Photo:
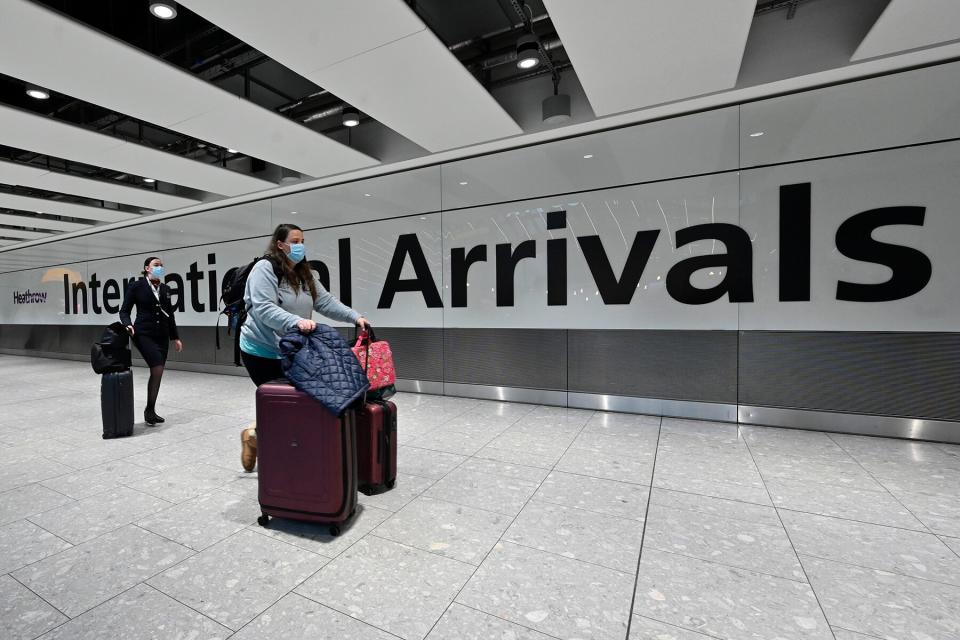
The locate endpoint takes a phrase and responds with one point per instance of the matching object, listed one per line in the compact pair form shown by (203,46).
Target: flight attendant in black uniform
(154,328)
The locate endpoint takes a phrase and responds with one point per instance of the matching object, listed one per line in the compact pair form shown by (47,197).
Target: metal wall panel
(913,375)
(528,358)
(698,366)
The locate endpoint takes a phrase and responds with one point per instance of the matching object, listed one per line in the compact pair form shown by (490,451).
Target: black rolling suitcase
(116,404)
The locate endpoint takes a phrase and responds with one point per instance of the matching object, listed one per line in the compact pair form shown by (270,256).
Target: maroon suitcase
(306,458)
(377,447)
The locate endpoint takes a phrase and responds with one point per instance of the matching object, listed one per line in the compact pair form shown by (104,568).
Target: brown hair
(147,262)
(299,275)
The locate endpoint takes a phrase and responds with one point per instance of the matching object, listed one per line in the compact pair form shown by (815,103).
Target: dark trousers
(261,370)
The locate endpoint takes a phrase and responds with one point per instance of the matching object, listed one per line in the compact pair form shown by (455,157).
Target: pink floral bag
(376,359)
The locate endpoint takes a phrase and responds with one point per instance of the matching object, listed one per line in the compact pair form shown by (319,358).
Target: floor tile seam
(757,523)
(444,500)
(479,457)
(373,534)
(862,633)
(592,511)
(513,622)
(796,552)
(199,613)
(643,531)
(257,529)
(626,573)
(488,473)
(41,527)
(47,602)
(885,488)
(586,475)
(956,551)
(924,531)
(728,565)
(332,608)
(500,538)
(895,572)
(677,626)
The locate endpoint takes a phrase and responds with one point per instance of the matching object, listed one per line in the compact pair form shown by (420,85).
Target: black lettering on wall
(323,272)
(94,285)
(177,300)
(556,261)
(911,268)
(212,282)
(507,260)
(409,245)
(194,276)
(66,294)
(460,262)
(795,242)
(111,293)
(80,287)
(738,263)
(346,271)
(614,290)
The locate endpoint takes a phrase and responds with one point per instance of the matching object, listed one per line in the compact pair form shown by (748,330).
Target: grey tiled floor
(508,521)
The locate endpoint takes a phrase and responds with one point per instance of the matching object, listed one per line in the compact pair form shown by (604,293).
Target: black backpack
(110,354)
(231,300)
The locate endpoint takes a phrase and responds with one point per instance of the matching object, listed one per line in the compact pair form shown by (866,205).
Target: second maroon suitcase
(377,447)
(306,458)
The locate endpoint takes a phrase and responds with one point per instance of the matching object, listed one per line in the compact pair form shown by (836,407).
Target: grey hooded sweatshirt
(274,310)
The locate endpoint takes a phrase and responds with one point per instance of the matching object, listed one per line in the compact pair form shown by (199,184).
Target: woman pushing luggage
(281,293)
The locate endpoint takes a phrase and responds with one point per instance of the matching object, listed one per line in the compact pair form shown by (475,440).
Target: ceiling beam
(911,24)
(60,208)
(40,223)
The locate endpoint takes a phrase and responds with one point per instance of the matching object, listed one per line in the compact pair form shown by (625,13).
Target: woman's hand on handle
(130,329)
(178,345)
(363,323)
(306,326)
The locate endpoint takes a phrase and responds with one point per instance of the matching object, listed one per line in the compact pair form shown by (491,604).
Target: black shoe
(151,418)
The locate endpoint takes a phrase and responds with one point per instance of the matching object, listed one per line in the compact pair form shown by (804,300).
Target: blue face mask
(297,252)
(157,271)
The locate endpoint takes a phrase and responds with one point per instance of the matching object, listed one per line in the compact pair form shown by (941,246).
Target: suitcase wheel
(264,520)
(391,483)
(335,530)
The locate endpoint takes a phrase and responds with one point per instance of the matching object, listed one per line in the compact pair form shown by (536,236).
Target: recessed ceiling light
(231,150)
(756,134)
(367,195)
(149,180)
(164,10)
(528,51)
(587,156)
(37,93)
(463,182)
(293,213)
(350,117)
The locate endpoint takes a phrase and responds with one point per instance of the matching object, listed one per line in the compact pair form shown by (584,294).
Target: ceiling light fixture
(756,134)
(231,150)
(463,182)
(367,195)
(350,117)
(151,180)
(164,10)
(528,51)
(587,156)
(37,93)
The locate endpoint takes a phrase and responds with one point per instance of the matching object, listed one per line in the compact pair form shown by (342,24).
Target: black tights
(153,387)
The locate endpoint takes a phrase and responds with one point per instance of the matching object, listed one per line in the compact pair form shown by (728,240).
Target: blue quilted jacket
(322,365)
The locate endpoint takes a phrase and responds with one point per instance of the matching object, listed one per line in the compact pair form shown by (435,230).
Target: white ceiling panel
(911,24)
(32,132)
(315,33)
(26,175)
(378,56)
(299,144)
(630,54)
(56,207)
(418,88)
(87,64)
(40,223)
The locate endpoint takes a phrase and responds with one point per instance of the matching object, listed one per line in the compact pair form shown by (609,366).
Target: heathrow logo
(29,297)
